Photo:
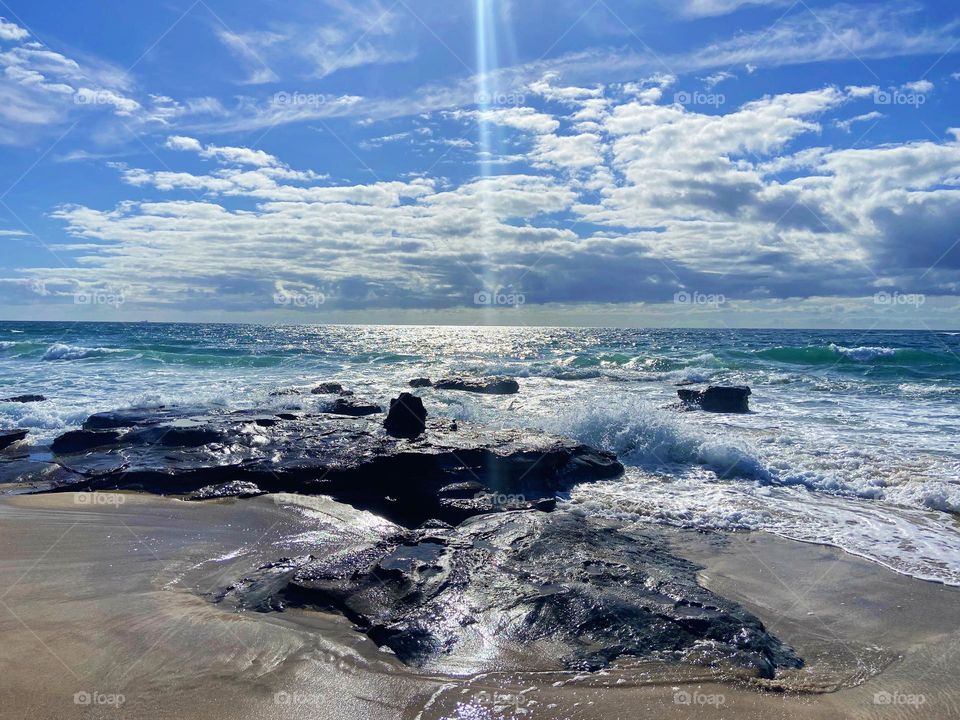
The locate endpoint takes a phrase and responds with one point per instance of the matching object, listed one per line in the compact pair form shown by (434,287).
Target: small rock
(486,385)
(716,398)
(352,408)
(421,382)
(407,417)
(328,388)
(79,440)
(9,437)
(24,399)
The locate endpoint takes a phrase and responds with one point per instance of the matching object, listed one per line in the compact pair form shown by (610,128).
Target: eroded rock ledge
(449,472)
(557,585)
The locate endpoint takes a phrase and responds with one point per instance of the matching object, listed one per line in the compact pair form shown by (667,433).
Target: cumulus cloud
(11,31)
(656,197)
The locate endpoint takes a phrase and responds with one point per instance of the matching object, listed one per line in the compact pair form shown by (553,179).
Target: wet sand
(106,612)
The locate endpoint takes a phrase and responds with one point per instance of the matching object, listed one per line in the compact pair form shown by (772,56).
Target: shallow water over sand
(112,596)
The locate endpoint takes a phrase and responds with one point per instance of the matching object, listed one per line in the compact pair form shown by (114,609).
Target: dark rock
(352,459)
(24,399)
(9,437)
(328,388)
(421,382)
(581,589)
(486,386)
(77,441)
(286,391)
(352,408)
(407,417)
(718,399)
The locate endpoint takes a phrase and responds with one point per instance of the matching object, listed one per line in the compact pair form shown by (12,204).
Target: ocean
(852,440)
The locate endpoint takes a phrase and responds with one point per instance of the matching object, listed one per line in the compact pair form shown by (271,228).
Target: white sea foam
(905,540)
(863,354)
(61,351)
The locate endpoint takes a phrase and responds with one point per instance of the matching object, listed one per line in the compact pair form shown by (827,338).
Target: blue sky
(655,162)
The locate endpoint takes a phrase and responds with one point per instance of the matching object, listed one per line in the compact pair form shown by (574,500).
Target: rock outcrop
(484,385)
(450,472)
(24,399)
(353,408)
(407,417)
(718,398)
(583,590)
(9,437)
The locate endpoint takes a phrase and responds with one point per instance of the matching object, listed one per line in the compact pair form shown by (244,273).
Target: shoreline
(106,598)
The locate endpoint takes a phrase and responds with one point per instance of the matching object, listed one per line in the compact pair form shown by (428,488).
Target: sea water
(852,442)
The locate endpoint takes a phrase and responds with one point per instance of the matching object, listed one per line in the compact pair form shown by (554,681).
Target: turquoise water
(852,442)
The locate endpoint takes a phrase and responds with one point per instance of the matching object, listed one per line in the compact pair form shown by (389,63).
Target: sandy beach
(108,599)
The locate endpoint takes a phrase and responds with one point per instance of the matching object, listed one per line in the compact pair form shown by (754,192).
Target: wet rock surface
(583,591)
(407,417)
(478,558)
(354,408)
(482,385)
(24,399)
(716,398)
(9,437)
(352,459)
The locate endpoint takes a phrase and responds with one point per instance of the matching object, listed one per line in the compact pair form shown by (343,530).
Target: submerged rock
(352,459)
(407,417)
(421,382)
(716,398)
(581,590)
(486,385)
(9,437)
(24,399)
(328,388)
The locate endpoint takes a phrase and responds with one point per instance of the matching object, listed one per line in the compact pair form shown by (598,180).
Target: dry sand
(106,612)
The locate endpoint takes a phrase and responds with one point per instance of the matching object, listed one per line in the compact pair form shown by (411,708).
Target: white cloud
(713,8)
(846,125)
(919,86)
(295,50)
(711,81)
(11,31)
(519,118)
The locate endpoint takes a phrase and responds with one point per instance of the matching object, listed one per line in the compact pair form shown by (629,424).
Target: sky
(683,163)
